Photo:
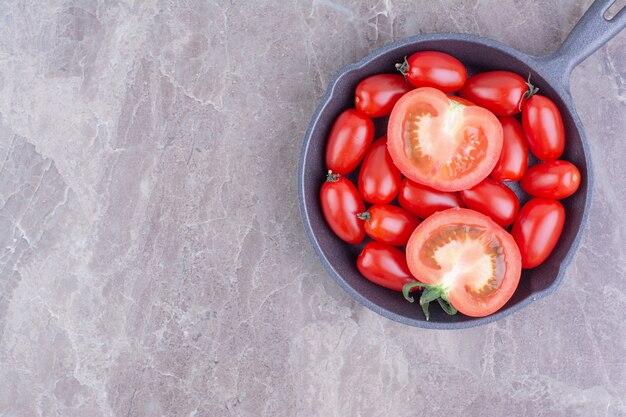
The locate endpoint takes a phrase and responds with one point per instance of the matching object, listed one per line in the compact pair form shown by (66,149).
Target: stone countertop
(153,262)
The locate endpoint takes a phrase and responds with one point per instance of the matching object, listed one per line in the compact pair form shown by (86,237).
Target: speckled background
(152,259)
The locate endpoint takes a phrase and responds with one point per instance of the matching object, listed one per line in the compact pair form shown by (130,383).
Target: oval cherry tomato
(384,265)
(375,96)
(424,201)
(389,224)
(379,179)
(493,199)
(553,179)
(461,100)
(514,157)
(436,142)
(349,139)
(537,230)
(498,91)
(543,125)
(341,203)
(466,259)
(434,69)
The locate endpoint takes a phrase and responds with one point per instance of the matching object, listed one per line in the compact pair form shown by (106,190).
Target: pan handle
(590,33)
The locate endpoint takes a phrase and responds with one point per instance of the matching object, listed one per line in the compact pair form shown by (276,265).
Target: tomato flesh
(461,100)
(440,143)
(468,257)
(384,265)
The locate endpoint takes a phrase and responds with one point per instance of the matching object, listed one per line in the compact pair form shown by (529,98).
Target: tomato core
(467,253)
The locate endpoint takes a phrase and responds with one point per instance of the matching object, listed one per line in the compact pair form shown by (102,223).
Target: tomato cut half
(466,260)
(461,100)
(440,143)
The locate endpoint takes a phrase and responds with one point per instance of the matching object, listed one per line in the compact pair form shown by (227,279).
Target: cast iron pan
(550,73)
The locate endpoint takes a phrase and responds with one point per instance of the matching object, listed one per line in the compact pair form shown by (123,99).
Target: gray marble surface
(152,259)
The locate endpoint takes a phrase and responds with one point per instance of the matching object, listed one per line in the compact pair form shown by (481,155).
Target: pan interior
(341,257)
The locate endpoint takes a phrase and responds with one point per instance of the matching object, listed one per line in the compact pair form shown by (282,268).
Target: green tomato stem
(403,67)
(364,216)
(430,294)
(330,177)
(532,90)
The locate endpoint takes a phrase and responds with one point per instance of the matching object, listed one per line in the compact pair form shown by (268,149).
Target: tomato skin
(379,179)
(340,204)
(493,199)
(423,201)
(384,265)
(458,287)
(461,100)
(544,129)
(436,69)
(553,179)
(456,148)
(350,137)
(514,157)
(388,224)
(498,91)
(375,96)
(537,230)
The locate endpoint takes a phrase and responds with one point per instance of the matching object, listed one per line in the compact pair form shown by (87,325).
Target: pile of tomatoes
(439,214)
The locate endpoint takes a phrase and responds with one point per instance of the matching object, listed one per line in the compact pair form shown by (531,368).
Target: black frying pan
(550,73)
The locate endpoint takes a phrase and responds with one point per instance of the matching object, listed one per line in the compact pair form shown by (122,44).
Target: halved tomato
(461,100)
(465,261)
(440,143)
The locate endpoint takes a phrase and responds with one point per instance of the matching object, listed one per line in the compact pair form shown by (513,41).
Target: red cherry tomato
(349,139)
(498,91)
(467,260)
(514,157)
(543,125)
(537,230)
(424,201)
(375,96)
(461,100)
(493,199)
(341,203)
(379,179)
(553,179)
(384,265)
(436,142)
(434,69)
(389,224)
